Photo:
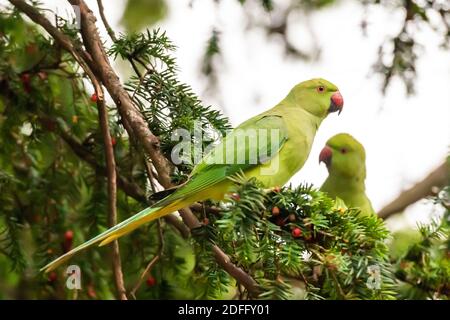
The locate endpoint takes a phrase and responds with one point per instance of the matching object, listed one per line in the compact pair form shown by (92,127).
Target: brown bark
(437,178)
(112,192)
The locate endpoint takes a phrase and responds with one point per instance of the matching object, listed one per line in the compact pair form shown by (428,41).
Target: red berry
(113,141)
(276,189)
(296,232)
(52,277)
(91,291)
(68,241)
(25,78)
(275,211)
(94,97)
(206,221)
(68,236)
(151,281)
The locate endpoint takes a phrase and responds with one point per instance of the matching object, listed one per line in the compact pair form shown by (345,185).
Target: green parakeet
(265,147)
(345,159)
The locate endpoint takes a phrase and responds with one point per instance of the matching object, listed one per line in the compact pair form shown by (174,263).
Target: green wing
(252,143)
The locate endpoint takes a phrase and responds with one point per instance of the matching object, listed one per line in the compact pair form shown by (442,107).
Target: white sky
(404,137)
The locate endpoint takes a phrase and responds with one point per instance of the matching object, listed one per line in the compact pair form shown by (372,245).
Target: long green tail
(159,209)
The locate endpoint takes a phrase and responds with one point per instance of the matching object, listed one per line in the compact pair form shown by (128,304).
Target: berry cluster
(289,221)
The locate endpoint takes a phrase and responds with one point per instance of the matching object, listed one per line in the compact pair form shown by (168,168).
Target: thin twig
(141,79)
(108,28)
(201,208)
(152,262)
(141,278)
(112,192)
(134,66)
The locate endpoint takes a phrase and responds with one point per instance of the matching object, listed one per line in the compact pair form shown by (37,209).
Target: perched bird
(345,159)
(265,147)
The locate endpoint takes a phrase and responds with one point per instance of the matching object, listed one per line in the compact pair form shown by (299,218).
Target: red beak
(336,103)
(325,155)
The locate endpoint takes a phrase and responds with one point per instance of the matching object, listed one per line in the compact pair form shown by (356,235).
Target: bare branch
(437,178)
(141,278)
(200,207)
(112,191)
(108,28)
(151,263)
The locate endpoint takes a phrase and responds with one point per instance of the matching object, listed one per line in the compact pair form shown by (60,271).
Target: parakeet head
(317,96)
(344,156)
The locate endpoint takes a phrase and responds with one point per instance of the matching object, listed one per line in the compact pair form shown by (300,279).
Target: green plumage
(347,172)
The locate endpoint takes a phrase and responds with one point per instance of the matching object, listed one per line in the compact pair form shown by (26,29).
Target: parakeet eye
(320,89)
(344,150)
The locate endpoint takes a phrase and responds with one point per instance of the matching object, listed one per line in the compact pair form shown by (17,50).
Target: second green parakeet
(345,159)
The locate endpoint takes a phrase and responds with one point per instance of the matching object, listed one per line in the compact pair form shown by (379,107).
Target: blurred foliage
(397,56)
(139,14)
(212,49)
(423,269)
(401,241)
(209,61)
(45,189)
(52,170)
